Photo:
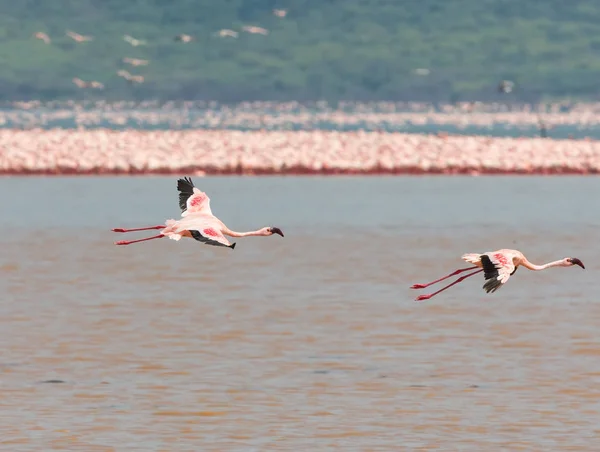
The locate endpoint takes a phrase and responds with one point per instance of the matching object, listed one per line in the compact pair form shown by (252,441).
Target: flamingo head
(273,230)
(575,261)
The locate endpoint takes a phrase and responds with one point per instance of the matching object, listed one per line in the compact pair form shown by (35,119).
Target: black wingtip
(232,246)
(185,182)
(185,186)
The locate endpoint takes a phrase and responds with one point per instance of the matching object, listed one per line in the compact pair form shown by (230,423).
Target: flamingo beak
(277,231)
(576,261)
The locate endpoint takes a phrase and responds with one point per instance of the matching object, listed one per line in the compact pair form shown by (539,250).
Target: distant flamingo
(184,38)
(497,266)
(42,36)
(134,42)
(77,37)
(136,61)
(226,32)
(129,77)
(198,221)
(80,83)
(505,86)
(255,30)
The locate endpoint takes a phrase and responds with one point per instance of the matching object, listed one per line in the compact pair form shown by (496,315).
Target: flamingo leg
(128,242)
(462,278)
(137,229)
(454,273)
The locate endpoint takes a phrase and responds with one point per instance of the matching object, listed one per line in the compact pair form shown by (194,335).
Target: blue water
(263,119)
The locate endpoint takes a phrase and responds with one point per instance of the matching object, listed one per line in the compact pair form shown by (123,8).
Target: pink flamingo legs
(456,272)
(129,242)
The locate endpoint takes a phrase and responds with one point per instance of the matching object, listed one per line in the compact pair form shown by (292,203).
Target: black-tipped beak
(576,261)
(277,231)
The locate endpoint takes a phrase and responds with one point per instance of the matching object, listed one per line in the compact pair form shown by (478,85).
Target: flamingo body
(497,266)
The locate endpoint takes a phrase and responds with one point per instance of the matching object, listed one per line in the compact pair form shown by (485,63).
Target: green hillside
(322,49)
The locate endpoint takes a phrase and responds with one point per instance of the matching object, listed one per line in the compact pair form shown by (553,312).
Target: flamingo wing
(211,236)
(497,268)
(202,227)
(192,200)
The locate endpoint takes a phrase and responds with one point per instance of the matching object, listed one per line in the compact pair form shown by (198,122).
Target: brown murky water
(305,343)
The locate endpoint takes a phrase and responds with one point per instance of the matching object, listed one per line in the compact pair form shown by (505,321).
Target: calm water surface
(305,343)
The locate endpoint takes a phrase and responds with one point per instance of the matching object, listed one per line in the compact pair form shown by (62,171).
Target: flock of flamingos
(287,138)
(200,152)
(201,139)
(199,223)
(137,62)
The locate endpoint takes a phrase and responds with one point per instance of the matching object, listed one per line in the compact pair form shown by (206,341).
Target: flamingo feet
(423,297)
(419,286)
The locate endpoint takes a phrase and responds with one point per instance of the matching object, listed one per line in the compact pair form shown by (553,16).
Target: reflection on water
(308,342)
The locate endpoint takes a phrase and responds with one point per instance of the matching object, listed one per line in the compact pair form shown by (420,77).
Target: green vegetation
(322,49)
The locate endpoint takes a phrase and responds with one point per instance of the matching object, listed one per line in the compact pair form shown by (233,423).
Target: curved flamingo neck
(530,266)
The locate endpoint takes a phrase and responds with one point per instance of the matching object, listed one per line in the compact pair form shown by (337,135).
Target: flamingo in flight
(497,267)
(197,221)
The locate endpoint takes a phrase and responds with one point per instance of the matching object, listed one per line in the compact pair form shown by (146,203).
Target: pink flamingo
(198,221)
(497,266)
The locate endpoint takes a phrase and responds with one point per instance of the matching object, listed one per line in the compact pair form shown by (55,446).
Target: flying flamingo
(42,36)
(134,42)
(135,61)
(505,86)
(77,37)
(197,222)
(255,30)
(184,38)
(226,32)
(497,267)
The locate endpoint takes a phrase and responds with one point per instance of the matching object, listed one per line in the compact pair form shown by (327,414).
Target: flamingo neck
(530,266)
(259,232)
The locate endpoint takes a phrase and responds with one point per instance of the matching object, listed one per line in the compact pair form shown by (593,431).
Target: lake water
(268,119)
(310,342)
